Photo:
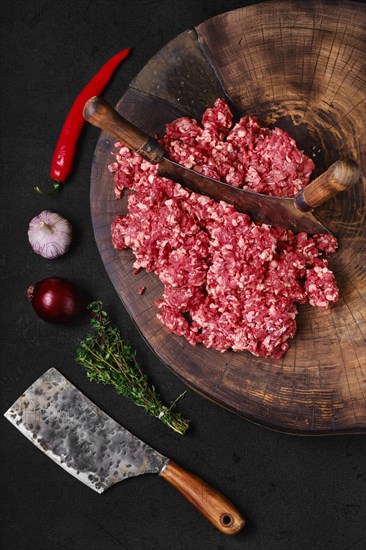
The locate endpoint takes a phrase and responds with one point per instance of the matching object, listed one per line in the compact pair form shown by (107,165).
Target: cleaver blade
(289,213)
(70,429)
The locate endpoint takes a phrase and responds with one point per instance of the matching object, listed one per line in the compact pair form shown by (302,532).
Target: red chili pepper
(66,146)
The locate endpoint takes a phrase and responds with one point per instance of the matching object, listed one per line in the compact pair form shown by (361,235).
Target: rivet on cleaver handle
(90,445)
(277,211)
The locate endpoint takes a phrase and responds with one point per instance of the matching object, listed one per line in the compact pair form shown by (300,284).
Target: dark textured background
(297,493)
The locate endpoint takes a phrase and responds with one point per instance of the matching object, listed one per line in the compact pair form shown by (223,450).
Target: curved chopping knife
(56,417)
(283,212)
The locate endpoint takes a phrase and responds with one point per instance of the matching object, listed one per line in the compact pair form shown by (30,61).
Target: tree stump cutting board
(300,66)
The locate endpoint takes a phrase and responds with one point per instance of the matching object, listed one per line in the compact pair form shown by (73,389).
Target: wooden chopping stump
(299,66)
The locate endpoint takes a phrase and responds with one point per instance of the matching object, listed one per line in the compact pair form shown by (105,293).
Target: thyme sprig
(109,360)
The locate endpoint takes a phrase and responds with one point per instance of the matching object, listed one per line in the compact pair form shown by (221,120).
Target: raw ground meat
(229,283)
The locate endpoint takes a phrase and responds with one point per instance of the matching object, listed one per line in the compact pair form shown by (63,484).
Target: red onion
(56,300)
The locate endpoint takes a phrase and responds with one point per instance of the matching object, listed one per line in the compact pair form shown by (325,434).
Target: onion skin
(56,300)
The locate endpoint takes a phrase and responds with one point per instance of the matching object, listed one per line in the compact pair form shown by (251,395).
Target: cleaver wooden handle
(102,115)
(340,176)
(212,504)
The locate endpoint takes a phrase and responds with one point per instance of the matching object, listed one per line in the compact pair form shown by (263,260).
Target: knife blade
(289,213)
(70,429)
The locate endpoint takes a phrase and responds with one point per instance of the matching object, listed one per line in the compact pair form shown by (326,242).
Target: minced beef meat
(229,283)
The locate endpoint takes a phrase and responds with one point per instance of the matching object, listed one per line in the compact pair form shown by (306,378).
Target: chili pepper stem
(56,186)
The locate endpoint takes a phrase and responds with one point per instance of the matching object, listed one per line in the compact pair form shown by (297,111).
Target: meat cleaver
(90,445)
(289,213)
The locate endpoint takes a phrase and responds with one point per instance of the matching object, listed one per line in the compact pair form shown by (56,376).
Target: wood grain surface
(299,66)
(210,502)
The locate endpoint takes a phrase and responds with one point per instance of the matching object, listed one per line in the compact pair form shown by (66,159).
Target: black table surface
(297,493)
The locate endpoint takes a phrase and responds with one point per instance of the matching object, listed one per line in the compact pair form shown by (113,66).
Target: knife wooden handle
(212,504)
(102,115)
(340,176)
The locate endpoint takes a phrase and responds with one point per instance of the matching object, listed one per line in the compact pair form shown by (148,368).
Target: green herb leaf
(109,360)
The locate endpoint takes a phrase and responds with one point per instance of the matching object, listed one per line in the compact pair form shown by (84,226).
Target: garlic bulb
(50,234)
